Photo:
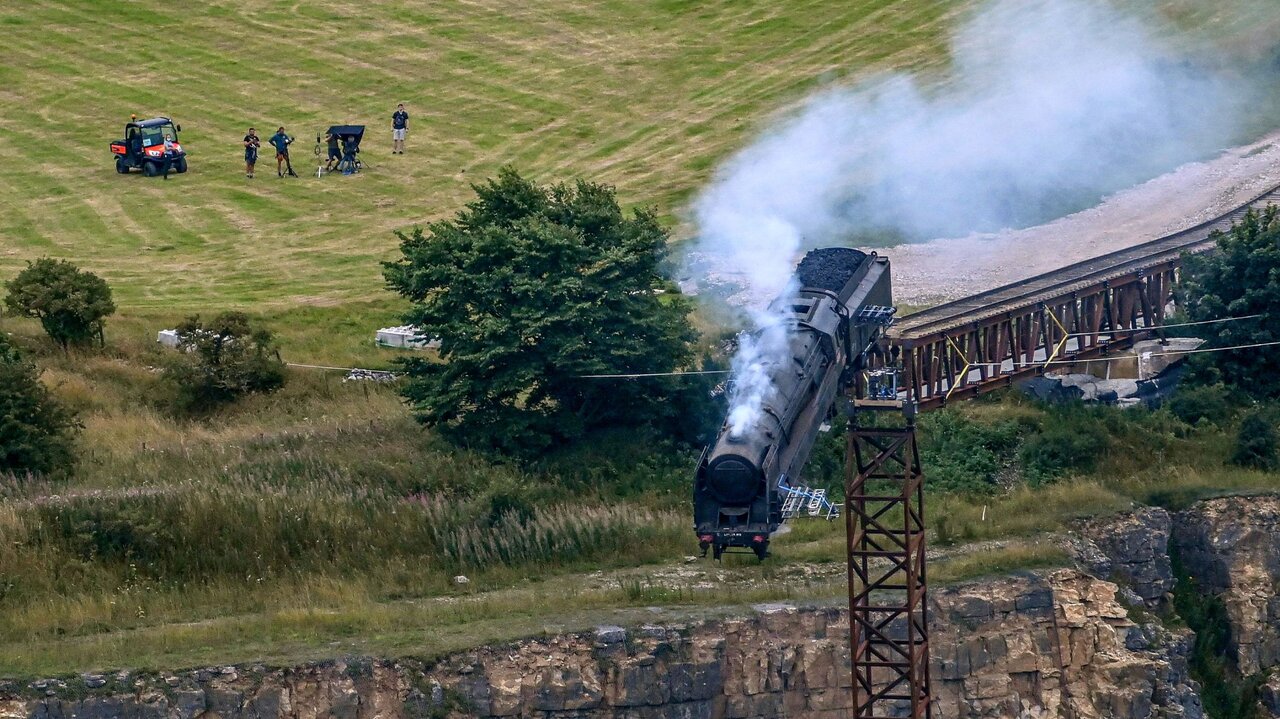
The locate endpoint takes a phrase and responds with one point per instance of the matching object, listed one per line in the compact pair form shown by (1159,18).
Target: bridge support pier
(888,609)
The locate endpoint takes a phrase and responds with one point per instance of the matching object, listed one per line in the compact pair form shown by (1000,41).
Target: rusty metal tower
(884,521)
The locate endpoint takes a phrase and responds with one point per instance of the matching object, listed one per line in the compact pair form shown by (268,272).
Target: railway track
(1053,285)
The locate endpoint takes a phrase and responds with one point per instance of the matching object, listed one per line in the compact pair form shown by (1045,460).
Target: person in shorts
(335,152)
(399,126)
(281,142)
(251,145)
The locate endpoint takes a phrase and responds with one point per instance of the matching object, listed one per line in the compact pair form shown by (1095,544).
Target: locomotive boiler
(833,321)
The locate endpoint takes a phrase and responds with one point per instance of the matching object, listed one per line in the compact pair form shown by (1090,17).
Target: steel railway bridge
(955,351)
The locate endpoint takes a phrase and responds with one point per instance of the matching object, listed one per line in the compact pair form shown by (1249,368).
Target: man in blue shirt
(399,126)
(281,141)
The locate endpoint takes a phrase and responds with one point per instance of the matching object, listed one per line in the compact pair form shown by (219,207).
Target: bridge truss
(1087,310)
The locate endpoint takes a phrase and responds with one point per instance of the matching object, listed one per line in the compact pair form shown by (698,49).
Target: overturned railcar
(845,301)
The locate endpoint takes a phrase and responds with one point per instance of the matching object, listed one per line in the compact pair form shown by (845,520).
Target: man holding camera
(251,144)
(399,126)
(281,142)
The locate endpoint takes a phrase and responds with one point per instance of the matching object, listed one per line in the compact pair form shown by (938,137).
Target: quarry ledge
(1054,639)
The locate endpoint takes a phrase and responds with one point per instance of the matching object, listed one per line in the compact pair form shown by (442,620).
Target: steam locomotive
(844,302)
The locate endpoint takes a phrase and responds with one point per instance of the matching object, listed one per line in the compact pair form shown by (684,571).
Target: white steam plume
(1052,103)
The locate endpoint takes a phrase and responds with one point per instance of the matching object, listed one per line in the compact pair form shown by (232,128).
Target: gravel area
(945,269)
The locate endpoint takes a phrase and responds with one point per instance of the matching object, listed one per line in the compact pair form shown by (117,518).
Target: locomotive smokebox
(733,479)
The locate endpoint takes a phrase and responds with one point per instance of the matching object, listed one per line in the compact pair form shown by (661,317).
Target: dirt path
(944,269)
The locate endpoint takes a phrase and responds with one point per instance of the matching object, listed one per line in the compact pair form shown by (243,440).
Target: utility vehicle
(144,147)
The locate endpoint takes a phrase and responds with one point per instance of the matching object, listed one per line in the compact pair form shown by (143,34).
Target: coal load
(829,268)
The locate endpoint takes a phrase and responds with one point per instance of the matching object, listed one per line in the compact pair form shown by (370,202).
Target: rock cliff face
(1042,645)
(1232,548)
(1132,549)
(1056,645)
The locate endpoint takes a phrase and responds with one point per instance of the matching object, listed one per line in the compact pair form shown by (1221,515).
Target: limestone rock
(1050,645)
(1132,548)
(1231,546)
(1269,695)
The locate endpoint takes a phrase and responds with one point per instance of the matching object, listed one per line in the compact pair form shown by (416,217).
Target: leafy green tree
(1240,279)
(36,431)
(222,360)
(528,289)
(1257,442)
(70,303)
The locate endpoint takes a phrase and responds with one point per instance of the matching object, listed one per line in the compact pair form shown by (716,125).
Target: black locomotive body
(834,319)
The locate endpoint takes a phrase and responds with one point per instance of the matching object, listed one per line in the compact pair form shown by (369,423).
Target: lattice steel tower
(884,521)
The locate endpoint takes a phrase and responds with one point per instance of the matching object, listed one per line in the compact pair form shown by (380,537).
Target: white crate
(168,338)
(405,336)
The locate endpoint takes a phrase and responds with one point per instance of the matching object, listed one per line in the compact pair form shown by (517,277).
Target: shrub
(1195,404)
(221,361)
(615,464)
(36,431)
(1257,442)
(1062,447)
(70,303)
(962,455)
(825,467)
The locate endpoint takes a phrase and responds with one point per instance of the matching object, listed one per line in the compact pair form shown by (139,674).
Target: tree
(1240,279)
(70,303)
(36,431)
(530,288)
(222,360)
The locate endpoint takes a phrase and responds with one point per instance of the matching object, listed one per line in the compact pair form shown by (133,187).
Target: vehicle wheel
(121,167)
(762,551)
(180,165)
(150,169)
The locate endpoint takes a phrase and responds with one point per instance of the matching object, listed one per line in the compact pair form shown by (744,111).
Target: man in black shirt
(251,144)
(399,126)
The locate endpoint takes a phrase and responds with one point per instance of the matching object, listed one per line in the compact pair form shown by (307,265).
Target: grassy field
(648,96)
(644,95)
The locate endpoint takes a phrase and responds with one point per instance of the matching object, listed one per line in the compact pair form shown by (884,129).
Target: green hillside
(645,95)
(322,520)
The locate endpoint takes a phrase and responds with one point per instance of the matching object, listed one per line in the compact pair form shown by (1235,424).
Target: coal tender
(843,304)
